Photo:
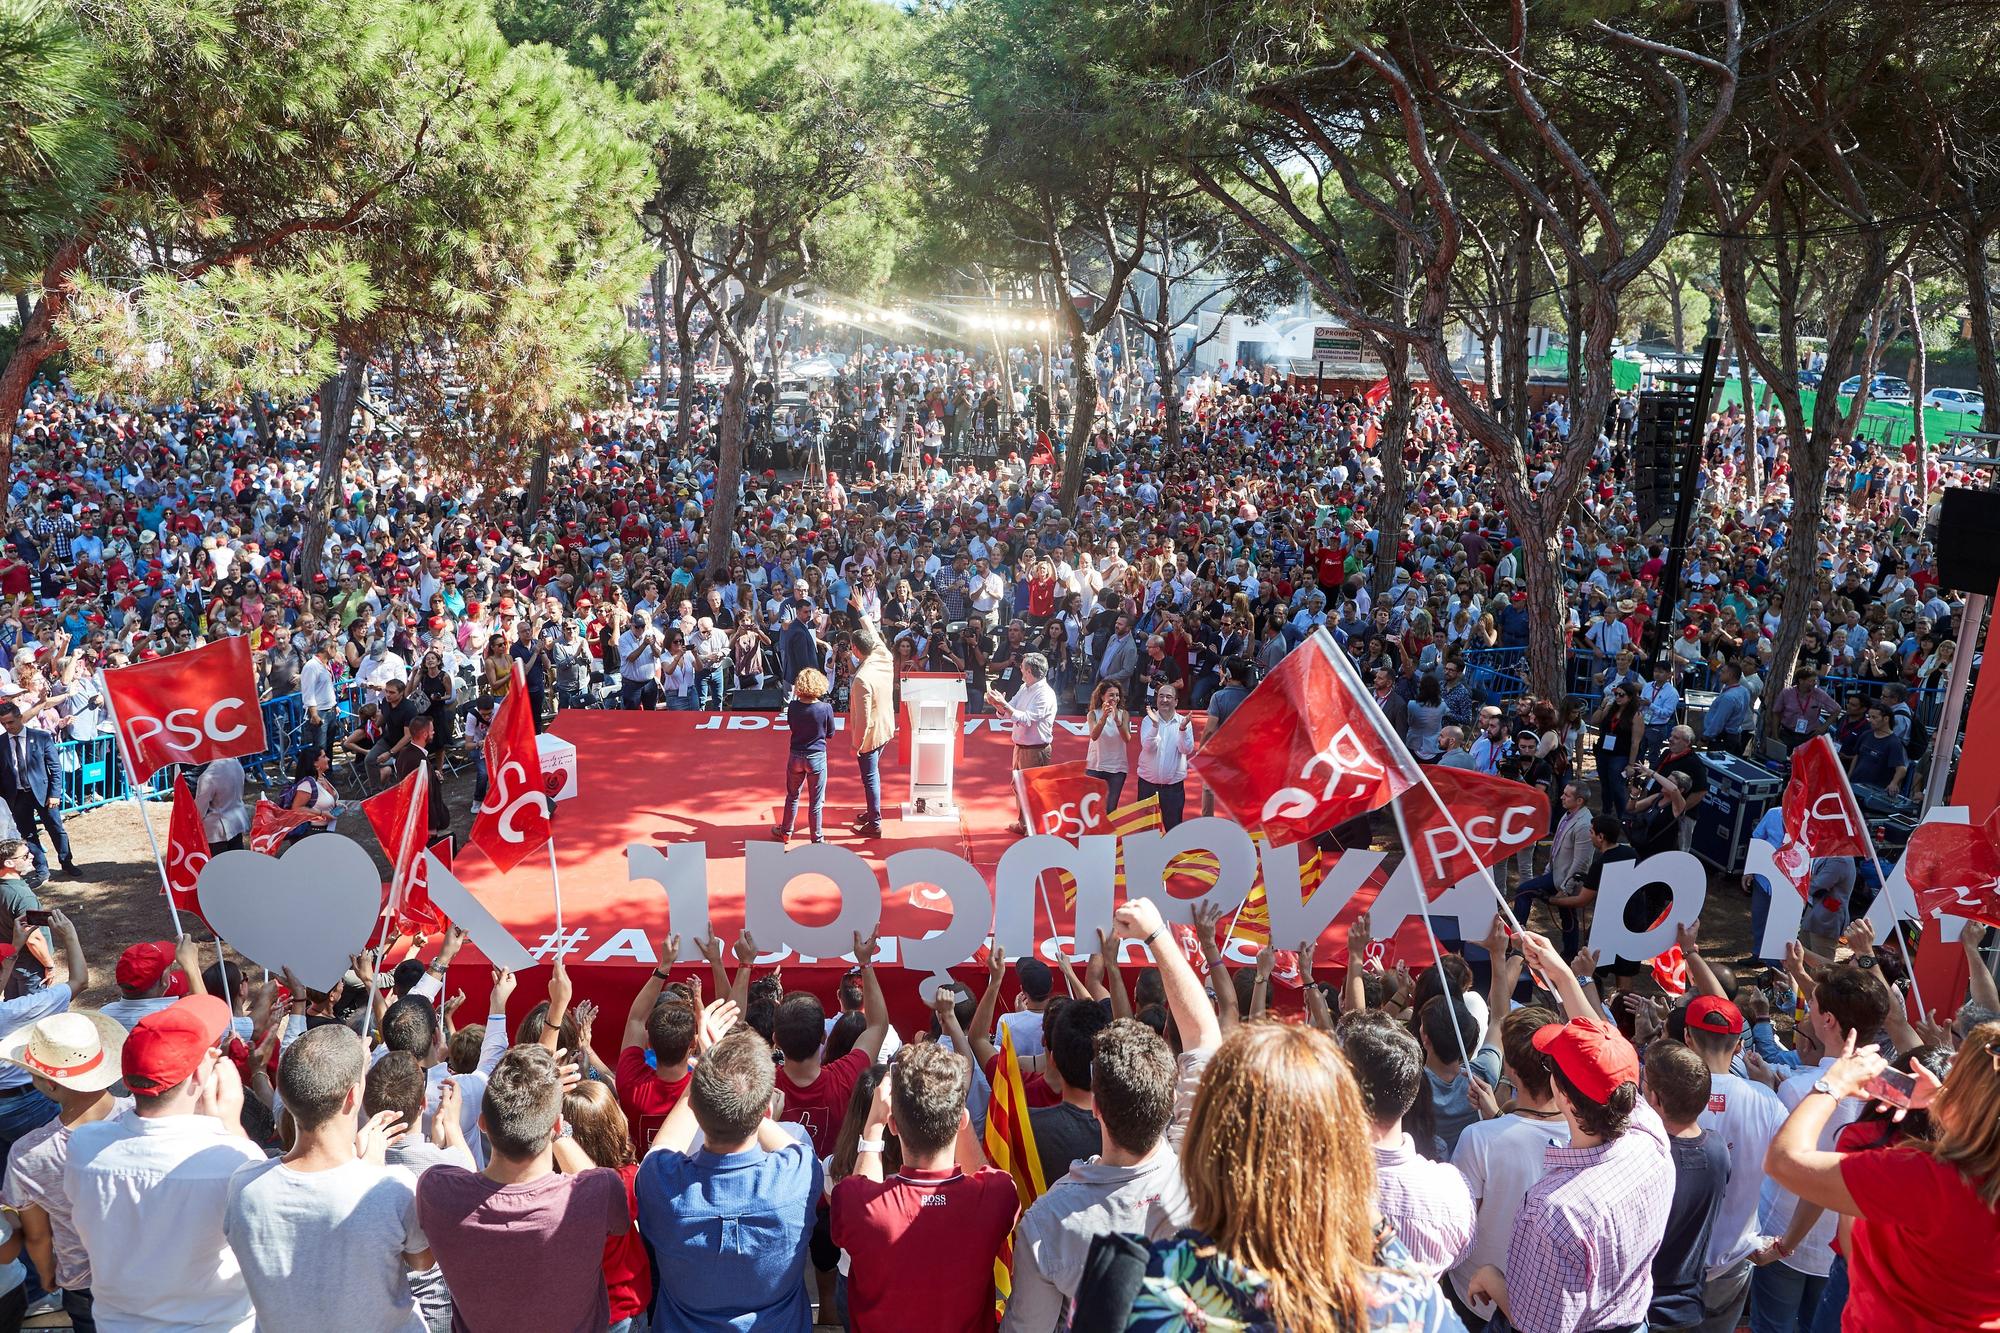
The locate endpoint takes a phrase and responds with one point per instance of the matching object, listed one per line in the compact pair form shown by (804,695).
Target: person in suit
(871,713)
(1570,855)
(31,782)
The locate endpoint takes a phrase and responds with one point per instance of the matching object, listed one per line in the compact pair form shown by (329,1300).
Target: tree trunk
(38,342)
(538,479)
(1979,306)
(260,417)
(1919,382)
(1679,313)
(1541,569)
(1170,400)
(662,319)
(1390,446)
(336,413)
(1083,350)
(729,467)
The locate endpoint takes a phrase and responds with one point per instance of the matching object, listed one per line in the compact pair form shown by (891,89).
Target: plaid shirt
(1581,1256)
(951,590)
(1428,1203)
(58,537)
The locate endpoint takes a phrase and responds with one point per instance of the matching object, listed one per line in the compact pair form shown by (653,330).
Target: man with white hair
(1032,712)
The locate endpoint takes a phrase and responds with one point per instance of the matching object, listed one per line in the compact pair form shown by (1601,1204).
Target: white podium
(933,710)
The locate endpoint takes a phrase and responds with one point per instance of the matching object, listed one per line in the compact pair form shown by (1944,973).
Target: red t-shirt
(822,1104)
(1039,1092)
(628,1272)
(1921,1251)
(645,1096)
(956,1222)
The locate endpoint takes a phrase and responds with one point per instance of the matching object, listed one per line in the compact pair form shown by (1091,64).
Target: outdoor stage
(657,779)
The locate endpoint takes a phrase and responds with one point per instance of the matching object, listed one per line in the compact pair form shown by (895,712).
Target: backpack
(1920,739)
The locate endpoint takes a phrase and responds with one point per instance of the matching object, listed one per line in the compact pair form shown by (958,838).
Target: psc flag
(1307,750)
(1010,1145)
(187,708)
(398,816)
(270,822)
(1954,869)
(1061,799)
(514,822)
(1475,822)
(186,852)
(1822,818)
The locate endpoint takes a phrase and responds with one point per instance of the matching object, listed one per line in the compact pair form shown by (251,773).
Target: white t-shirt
(1026,1025)
(128,1012)
(1814,1255)
(147,1197)
(312,1243)
(1745,1115)
(1500,1159)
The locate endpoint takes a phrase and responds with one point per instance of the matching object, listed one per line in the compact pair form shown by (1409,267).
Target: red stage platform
(664,778)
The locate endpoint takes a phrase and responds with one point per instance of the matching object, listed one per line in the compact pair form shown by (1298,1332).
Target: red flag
(1496,817)
(1307,750)
(1670,970)
(390,813)
(417,912)
(1954,869)
(1061,799)
(930,898)
(1820,810)
(1190,942)
(269,823)
(187,708)
(514,822)
(1285,969)
(1376,392)
(187,851)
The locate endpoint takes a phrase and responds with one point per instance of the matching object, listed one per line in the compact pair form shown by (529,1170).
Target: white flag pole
(1881,875)
(555,878)
(1437,952)
(132,789)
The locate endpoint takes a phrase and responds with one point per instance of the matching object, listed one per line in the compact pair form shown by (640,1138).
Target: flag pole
(1437,952)
(132,789)
(555,878)
(398,885)
(1881,875)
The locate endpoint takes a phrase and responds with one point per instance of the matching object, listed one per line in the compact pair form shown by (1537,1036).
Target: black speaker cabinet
(1968,540)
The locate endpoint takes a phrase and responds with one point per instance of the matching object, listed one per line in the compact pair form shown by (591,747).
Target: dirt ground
(118,900)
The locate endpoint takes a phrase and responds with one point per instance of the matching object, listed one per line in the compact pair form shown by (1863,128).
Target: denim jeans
(802,770)
(681,703)
(1114,785)
(641,1322)
(1833,1300)
(24,1111)
(870,764)
(1173,800)
(1783,1300)
(633,693)
(711,687)
(1611,773)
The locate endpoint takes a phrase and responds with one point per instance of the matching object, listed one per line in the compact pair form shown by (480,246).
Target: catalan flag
(1010,1145)
(1252,923)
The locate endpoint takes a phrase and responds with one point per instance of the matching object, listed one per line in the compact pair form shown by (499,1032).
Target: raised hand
(670,950)
(1137,919)
(371,1142)
(1267,959)
(503,990)
(996,964)
(745,949)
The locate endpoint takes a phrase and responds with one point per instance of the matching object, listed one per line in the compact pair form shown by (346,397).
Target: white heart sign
(310,909)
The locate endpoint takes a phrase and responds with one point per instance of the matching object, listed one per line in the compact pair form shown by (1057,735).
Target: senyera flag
(187,708)
(1954,869)
(513,824)
(1307,750)
(186,852)
(1481,822)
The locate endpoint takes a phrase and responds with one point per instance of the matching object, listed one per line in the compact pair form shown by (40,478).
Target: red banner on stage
(1307,750)
(514,822)
(188,708)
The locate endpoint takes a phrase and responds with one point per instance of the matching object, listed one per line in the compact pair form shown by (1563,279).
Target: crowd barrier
(94,774)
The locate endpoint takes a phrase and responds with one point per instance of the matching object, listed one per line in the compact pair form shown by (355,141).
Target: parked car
(1808,379)
(1882,388)
(1956,400)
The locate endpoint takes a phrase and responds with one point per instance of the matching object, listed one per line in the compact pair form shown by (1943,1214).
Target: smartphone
(37,917)
(1893,1087)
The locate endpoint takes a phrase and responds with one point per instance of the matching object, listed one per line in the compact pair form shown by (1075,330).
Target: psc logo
(1073,819)
(188,731)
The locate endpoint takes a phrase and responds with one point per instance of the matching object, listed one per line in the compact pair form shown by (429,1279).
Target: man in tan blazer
(1569,857)
(871,713)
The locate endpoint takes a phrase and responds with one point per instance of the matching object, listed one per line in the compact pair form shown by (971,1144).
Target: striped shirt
(1427,1202)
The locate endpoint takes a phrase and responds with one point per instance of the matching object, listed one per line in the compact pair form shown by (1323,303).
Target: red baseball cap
(1592,1054)
(1712,1013)
(166,1048)
(141,966)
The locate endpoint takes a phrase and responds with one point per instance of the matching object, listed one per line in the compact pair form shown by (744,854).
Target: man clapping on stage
(1033,713)
(871,711)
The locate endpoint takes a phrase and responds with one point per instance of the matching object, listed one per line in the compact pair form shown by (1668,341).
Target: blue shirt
(811,724)
(1729,714)
(730,1234)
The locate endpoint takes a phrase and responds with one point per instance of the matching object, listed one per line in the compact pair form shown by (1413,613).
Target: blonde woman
(1284,1236)
(811,720)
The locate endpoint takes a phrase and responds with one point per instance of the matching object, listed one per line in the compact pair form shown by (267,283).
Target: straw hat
(79,1049)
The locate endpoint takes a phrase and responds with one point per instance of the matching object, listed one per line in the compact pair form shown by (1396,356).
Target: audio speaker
(767,700)
(1968,540)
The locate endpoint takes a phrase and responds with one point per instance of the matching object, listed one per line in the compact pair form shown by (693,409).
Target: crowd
(259,1152)
(1492,1144)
